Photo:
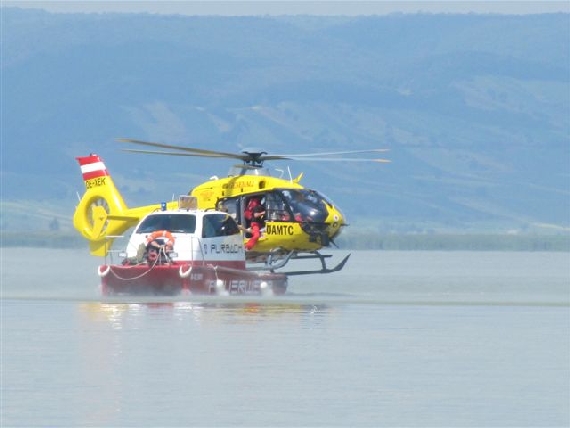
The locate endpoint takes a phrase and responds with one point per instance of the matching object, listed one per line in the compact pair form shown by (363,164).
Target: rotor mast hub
(254,157)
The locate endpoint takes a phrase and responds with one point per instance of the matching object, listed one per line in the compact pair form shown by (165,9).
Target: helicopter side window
(294,199)
(276,208)
(216,225)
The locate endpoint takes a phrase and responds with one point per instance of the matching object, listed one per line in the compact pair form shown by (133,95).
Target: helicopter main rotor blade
(349,152)
(251,156)
(341,160)
(157,152)
(195,151)
(163,153)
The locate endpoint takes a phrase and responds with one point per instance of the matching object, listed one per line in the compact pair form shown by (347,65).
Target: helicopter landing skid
(279,260)
(323,269)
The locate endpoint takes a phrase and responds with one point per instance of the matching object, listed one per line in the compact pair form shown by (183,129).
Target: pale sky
(291,7)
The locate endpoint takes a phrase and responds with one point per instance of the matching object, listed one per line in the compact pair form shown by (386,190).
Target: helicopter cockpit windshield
(306,204)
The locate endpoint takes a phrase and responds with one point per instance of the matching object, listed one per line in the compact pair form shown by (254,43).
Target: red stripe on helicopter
(92,167)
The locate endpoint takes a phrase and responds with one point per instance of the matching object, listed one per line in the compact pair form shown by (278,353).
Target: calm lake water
(396,339)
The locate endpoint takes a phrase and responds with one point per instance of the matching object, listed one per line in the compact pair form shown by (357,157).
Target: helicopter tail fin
(102,213)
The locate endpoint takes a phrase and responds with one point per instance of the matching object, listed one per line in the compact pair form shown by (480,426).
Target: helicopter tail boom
(102,213)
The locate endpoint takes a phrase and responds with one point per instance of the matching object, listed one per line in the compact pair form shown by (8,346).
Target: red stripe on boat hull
(185,277)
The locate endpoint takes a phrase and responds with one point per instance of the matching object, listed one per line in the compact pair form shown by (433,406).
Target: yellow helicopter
(297,221)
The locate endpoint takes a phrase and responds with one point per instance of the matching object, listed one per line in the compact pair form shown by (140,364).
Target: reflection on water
(171,354)
(135,315)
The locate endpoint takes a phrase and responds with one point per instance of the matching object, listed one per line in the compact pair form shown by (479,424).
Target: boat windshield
(176,223)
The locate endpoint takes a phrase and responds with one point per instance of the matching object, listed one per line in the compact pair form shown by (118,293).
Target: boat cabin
(197,235)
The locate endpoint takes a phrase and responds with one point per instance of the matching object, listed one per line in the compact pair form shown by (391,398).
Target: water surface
(395,339)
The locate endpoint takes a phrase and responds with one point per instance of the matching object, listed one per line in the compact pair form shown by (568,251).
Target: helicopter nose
(336,221)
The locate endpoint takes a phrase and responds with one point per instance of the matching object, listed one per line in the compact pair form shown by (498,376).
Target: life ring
(161,234)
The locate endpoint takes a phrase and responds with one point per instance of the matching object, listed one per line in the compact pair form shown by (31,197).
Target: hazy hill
(474,108)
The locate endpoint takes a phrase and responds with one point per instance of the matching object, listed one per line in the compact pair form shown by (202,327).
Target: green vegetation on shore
(42,239)
(357,240)
(457,241)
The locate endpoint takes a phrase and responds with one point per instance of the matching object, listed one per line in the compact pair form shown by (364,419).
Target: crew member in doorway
(248,212)
(257,223)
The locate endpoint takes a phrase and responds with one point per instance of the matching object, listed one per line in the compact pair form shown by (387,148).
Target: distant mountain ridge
(474,108)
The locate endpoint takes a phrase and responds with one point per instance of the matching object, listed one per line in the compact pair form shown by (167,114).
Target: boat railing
(109,252)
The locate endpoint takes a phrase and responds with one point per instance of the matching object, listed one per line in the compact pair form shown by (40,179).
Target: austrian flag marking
(92,167)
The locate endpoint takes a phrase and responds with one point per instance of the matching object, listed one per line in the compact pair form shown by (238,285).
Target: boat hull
(179,278)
